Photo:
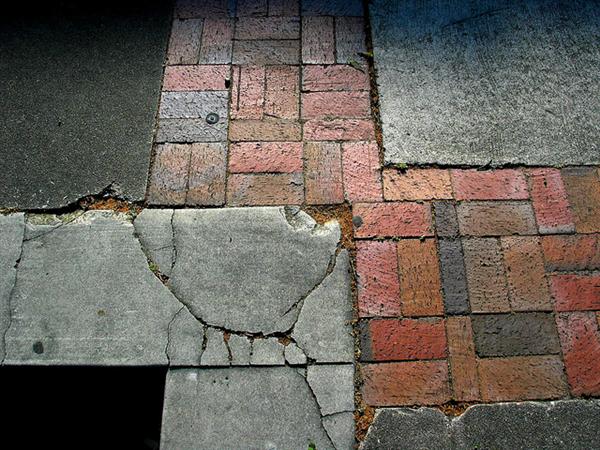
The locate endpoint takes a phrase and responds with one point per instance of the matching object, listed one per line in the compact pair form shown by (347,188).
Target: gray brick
(446,222)
(191,130)
(349,39)
(454,276)
(332,8)
(193,105)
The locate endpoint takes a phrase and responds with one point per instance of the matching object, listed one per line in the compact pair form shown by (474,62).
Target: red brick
(521,378)
(569,253)
(248,157)
(576,292)
(264,130)
(339,130)
(282,92)
(405,383)
(206,185)
(583,189)
(195,78)
(501,184)
(527,284)
(407,339)
(392,219)
(496,218)
(323,173)
(252,8)
(339,77)
(550,203)
(580,343)
(362,177)
(284,8)
(486,277)
(320,105)
(318,42)
(267,28)
(184,43)
(248,92)
(269,189)
(420,285)
(217,41)
(169,175)
(462,361)
(378,285)
(416,184)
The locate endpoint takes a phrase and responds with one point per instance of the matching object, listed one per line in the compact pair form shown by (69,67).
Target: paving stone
(267,352)
(332,8)
(273,157)
(350,41)
(361,172)
(571,253)
(282,92)
(191,130)
(416,184)
(500,184)
(575,292)
(515,334)
(333,386)
(323,329)
(583,190)
(215,353)
(401,219)
(284,7)
(496,219)
(265,130)
(196,78)
(318,41)
(340,428)
(186,9)
(261,407)
(550,202)
(453,276)
(193,105)
(265,189)
(252,8)
(339,129)
(240,348)
(323,173)
(167,184)
(446,221)
(348,105)
(153,229)
(207,172)
(186,337)
(256,28)
(294,356)
(74,301)
(12,230)
(217,41)
(266,52)
(461,359)
(337,77)
(184,44)
(248,92)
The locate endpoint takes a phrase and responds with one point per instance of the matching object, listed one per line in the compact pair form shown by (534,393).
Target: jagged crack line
(314,397)
(169,334)
(10,296)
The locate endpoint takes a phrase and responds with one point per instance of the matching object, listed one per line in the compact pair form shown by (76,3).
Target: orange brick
(576,292)
(463,364)
(403,219)
(570,253)
(248,157)
(583,189)
(282,92)
(323,173)
(269,189)
(206,185)
(496,218)
(264,130)
(169,175)
(500,184)
(320,105)
(339,130)
(416,184)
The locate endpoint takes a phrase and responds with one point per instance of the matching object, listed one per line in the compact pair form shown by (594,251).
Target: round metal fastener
(212,118)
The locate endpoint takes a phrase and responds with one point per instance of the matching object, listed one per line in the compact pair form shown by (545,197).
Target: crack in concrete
(314,398)
(169,334)
(10,296)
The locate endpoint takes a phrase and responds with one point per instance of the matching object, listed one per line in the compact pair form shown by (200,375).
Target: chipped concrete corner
(255,301)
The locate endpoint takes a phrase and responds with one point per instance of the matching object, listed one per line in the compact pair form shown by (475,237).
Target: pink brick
(319,105)
(273,157)
(267,189)
(318,42)
(282,92)
(248,92)
(267,28)
(196,78)
(217,41)
(339,130)
(184,43)
(362,176)
(339,77)
(206,185)
(550,202)
(404,219)
(576,292)
(378,285)
(501,184)
(323,173)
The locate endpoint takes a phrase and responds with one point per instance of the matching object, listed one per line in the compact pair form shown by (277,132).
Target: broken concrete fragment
(215,353)
(186,336)
(294,356)
(267,352)
(340,428)
(252,407)
(240,349)
(333,386)
(156,236)
(324,329)
(12,229)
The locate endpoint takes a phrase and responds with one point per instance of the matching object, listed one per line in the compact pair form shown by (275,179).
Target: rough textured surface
(215,353)
(333,386)
(456,81)
(154,230)
(186,336)
(267,352)
(340,428)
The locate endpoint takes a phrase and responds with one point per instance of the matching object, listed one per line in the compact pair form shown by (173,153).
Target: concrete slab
(478,82)
(78,110)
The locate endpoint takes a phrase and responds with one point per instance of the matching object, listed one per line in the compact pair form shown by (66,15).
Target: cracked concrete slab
(155,232)
(267,352)
(333,386)
(340,428)
(563,424)
(488,82)
(185,340)
(254,407)
(215,352)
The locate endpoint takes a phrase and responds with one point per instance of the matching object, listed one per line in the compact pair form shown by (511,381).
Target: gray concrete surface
(565,424)
(495,81)
(80,88)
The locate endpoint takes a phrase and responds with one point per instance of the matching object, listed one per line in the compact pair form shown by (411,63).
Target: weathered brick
(405,383)
(461,358)
(583,189)
(193,105)
(527,284)
(519,334)
(416,184)
(453,276)
(184,43)
(332,8)
(266,52)
(320,105)
(169,176)
(284,7)
(570,253)
(196,78)
(581,349)
(521,378)
(191,130)
(248,92)
(378,285)
(256,28)
(318,41)
(217,41)
(339,129)
(248,157)
(403,219)
(486,277)
(187,9)
(499,184)
(208,166)
(269,189)
(496,218)
(362,177)
(446,221)
(264,130)
(420,286)
(576,292)
(550,202)
(338,77)
(252,8)
(350,39)
(282,92)
(406,339)
(323,173)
